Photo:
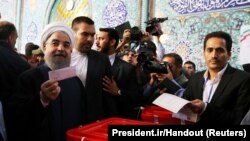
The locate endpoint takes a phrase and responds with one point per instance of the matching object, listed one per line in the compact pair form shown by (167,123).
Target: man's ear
(9,39)
(44,47)
(112,42)
(180,66)
(229,54)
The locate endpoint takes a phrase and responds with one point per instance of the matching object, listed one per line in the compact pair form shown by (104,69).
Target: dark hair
(112,34)
(29,47)
(177,57)
(220,34)
(147,46)
(6,29)
(81,19)
(192,63)
(136,33)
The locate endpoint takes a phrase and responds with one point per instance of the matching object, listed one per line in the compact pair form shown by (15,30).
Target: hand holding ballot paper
(177,105)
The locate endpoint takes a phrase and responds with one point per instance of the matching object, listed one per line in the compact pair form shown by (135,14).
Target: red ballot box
(98,131)
(160,115)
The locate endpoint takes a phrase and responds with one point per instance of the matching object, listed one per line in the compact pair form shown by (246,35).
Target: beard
(105,48)
(57,61)
(84,47)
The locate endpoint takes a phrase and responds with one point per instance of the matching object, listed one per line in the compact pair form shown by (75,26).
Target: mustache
(213,60)
(60,54)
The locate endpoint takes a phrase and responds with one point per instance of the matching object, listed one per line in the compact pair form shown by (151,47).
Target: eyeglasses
(56,43)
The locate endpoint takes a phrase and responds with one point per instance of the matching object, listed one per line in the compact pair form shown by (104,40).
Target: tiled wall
(189,23)
(189,20)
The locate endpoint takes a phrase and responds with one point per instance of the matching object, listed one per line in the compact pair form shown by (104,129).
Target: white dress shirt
(80,62)
(112,58)
(211,85)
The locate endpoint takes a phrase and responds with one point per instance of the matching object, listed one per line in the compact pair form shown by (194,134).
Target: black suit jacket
(100,103)
(34,122)
(11,66)
(125,77)
(231,99)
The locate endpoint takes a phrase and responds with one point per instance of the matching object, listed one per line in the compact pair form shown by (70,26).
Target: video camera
(146,58)
(153,26)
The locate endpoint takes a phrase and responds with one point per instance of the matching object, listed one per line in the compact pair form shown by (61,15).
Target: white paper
(186,114)
(176,105)
(170,102)
(63,73)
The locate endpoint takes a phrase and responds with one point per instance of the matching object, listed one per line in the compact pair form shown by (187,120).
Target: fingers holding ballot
(50,90)
(197,106)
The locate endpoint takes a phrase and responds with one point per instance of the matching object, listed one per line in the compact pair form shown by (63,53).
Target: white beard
(56,62)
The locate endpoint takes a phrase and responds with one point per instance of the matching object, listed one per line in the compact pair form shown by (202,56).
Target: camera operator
(132,38)
(172,81)
(145,59)
(154,29)
(125,41)
(147,65)
(137,36)
(175,61)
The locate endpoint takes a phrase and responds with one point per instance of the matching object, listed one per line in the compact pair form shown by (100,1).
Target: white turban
(55,27)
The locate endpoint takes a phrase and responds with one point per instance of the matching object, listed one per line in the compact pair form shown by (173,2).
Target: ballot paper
(176,105)
(63,73)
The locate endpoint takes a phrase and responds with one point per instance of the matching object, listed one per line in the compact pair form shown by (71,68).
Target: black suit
(33,121)
(11,66)
(100,103)
(230,101)
(125,77)
(1,137)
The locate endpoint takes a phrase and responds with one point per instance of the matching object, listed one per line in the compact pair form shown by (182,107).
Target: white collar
(218,75)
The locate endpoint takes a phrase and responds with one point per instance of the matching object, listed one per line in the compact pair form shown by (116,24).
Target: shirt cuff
(44,103)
